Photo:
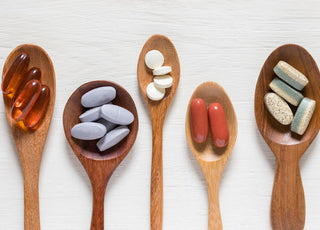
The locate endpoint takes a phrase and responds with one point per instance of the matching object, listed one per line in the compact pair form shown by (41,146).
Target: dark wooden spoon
(288,202)
(30,143)
(99,165)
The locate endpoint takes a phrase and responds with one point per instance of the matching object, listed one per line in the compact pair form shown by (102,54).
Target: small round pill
(154,59)
(163,70)
(164,81)
(154,93)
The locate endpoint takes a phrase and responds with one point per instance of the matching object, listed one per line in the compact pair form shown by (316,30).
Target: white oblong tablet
(154,93)
(98,96)
(164,81)
(88,131)
(116,114)
(154,59)
(90,115)
(112,138)
(163,70)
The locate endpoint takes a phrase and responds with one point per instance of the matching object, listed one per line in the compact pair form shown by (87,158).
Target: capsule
(26,99)
(33,73)
(199,120)
(38,110)
(14,75)
(218,125)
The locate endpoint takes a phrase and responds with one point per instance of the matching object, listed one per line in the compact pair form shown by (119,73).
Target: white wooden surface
(222,41)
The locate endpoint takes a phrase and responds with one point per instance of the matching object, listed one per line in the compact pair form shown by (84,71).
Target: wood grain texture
(99,165)
(158,110)
(212,159)
(30,143)
(288,201)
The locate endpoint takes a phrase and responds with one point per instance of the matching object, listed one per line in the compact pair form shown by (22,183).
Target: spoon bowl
(30,143)
(212,159)
(99,165)
(288,202)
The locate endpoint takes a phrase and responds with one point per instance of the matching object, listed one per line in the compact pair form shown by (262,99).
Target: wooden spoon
(158,110)
(30,143)
(211,158)
(288,203)
(99,165)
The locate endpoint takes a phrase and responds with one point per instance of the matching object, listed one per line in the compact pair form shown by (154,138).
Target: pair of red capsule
(199,117)
(24,88)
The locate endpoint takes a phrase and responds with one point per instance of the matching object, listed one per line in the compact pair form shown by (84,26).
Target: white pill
(154,59)
(163,70)
(98,96)
(164,81)
(90,115)
(112,138)
(88,131)
(154,93)
(116,114)
(109,125)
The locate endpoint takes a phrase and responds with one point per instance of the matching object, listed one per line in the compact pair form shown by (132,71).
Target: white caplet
(154,59)
(154,93)
(164,81)
(163,70)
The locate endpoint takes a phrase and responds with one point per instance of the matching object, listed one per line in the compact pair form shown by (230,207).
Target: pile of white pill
(286,89)
(156,90)
(102,120)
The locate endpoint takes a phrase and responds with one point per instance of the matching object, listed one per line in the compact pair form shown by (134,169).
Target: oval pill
(112,138)
(154,59)
(164,81)
(98,96)
(154,93)
(278,108)
(218,125)
(88,131)
(199,120)
(91,115)
(116,114)
(109,125)
(163,70)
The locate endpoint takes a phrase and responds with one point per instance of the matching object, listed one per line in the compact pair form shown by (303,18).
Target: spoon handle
(156,205)
(97,220)
(288,202)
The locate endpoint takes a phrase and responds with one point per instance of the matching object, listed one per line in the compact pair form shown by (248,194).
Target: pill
(278,108)
(286,92)
(164,81)
(98,96)
(91,114)
(88,131)
(154,93)
(116,114)
(109,125)
(199,120)
(33,73)
(218,125)
(112,138)
(163,70)
(154,59)
(290,75)
(303,116)
(38,110)
(25,100)
(13,76)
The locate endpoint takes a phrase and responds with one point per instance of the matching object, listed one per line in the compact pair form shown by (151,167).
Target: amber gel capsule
(38,110)
(33,73)
(26,99)
(13,77)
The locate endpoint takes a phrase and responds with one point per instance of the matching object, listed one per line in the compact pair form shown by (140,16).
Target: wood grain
(99,165)
(30,143)
(212,159)
(288,201)
(158,110)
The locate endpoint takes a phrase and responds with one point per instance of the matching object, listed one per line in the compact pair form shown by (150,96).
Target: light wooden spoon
(99,165)
(212,159)
(288,202)
(30,143)
(158,110)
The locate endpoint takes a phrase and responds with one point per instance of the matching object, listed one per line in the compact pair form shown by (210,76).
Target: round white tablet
(154,59)
(164,81)
(162,70)
(154,93)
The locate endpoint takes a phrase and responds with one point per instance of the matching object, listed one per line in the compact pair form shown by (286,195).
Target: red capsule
(38,110)
(199,120)
(14,75)
(33,73)
(26,99)
(218,125)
